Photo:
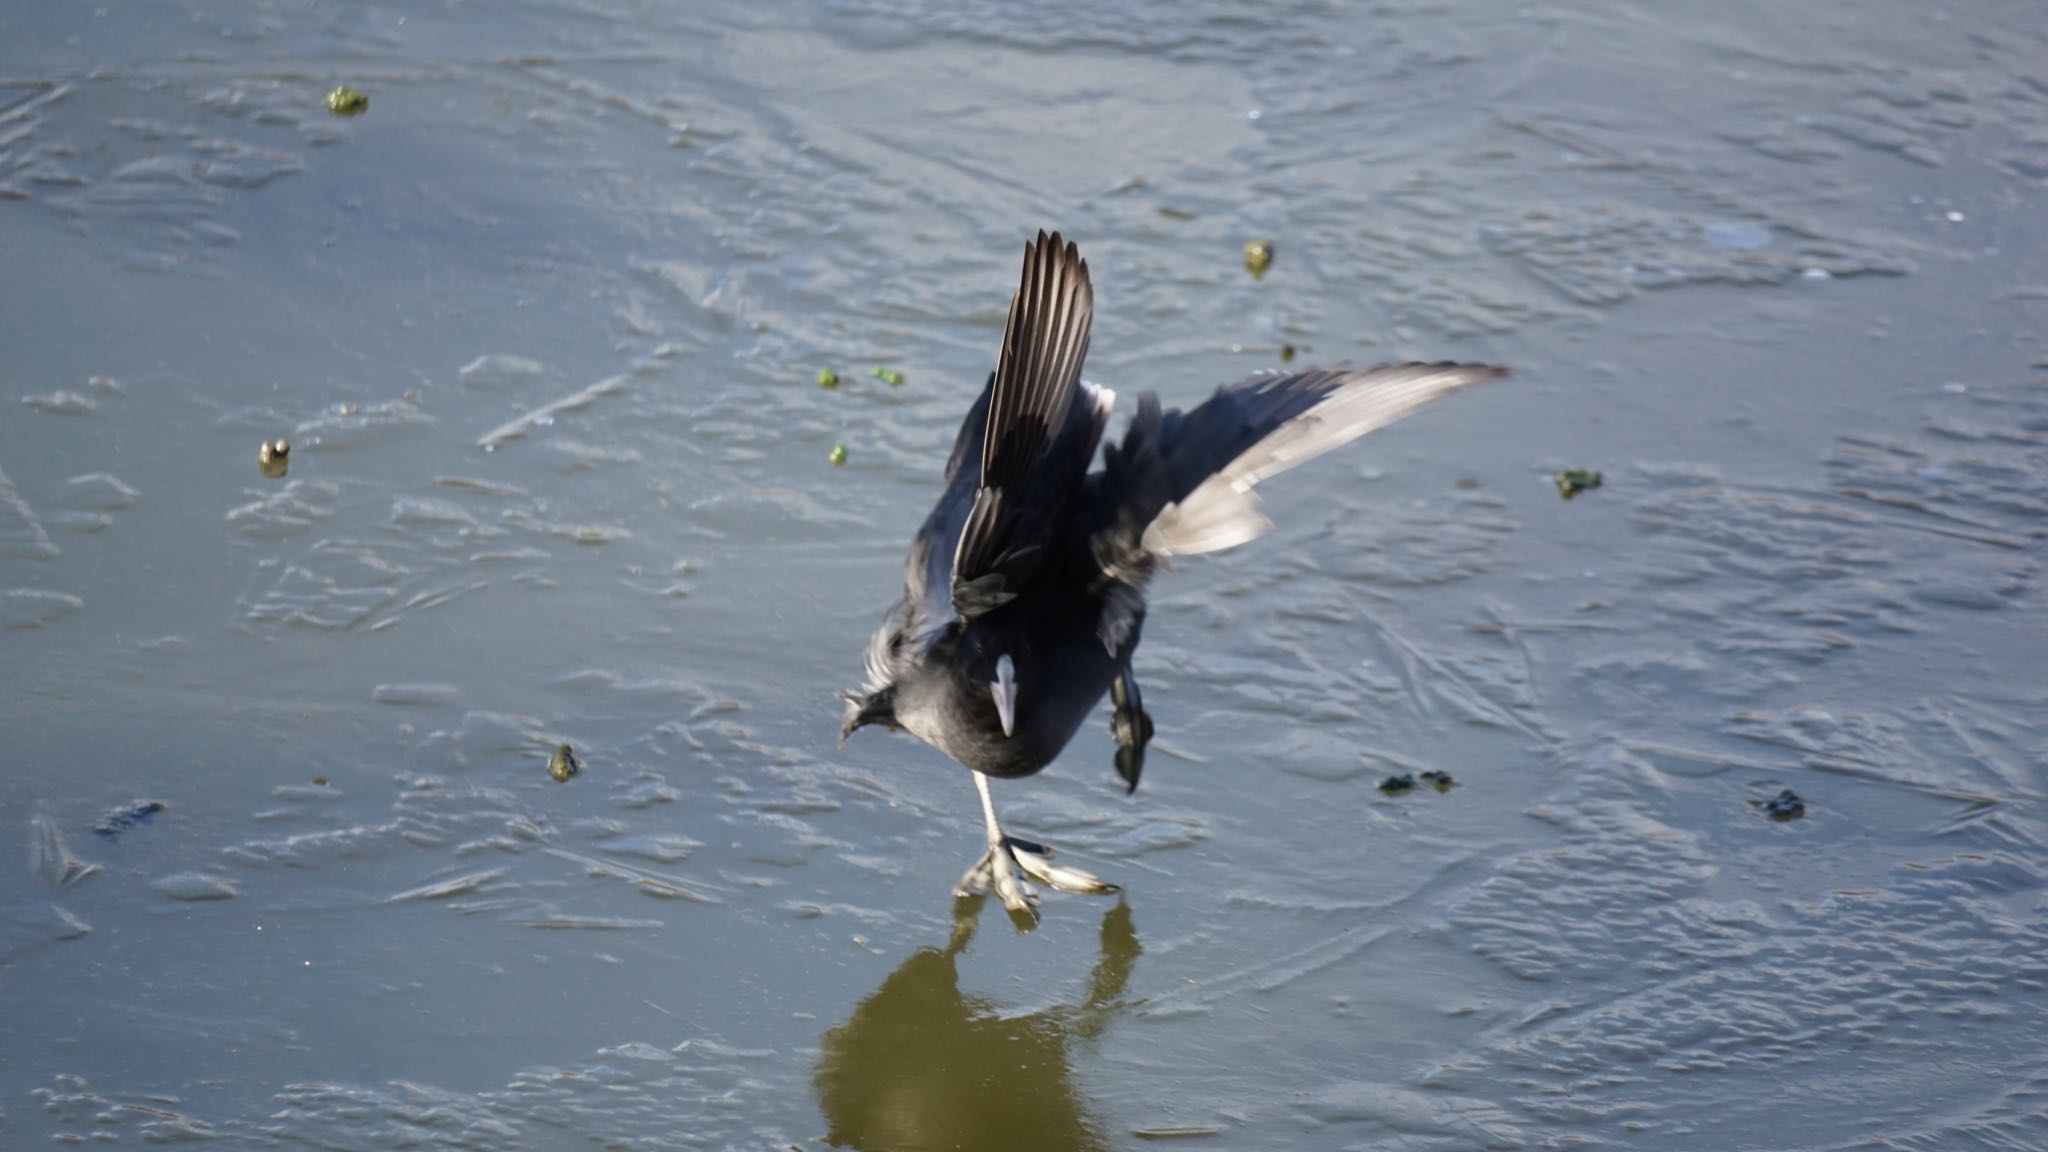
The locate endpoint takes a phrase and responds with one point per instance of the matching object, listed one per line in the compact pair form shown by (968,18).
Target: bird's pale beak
(1005,690)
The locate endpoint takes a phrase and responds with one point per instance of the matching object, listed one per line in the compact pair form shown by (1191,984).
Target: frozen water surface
(284,863)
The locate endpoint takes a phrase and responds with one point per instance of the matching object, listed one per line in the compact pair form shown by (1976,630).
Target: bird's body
(1047,627)
(1066,672)
(1024,591)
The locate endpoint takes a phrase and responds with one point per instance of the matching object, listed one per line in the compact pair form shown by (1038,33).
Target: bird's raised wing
(1181,482)
(1033,456)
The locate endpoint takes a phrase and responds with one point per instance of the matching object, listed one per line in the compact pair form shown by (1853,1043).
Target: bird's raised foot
(1132,728)
(1000,867)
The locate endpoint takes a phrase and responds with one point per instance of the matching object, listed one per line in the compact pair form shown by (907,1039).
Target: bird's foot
(999,868)
(1132,728)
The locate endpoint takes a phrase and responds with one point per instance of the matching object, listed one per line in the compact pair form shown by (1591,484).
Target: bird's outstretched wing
(1181,482)
(1033,456)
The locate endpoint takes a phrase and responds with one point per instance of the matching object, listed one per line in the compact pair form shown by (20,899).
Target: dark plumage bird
(1024,593)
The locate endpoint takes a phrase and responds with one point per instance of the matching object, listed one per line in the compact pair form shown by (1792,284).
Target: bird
(1024,588)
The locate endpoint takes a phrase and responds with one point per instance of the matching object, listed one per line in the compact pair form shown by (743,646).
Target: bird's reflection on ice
(921,1065)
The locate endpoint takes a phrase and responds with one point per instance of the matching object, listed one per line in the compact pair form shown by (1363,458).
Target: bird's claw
(975,881)
(999,868)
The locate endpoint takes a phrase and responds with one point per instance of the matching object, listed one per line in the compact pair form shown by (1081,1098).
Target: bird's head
(874,706)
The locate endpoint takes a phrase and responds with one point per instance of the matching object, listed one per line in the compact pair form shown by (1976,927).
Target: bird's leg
(1006,856)
(1131,727)
(997,866)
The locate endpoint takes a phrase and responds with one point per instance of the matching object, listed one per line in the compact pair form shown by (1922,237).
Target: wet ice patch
(99,492)
(62,402)
(36,607)
(417,695)
(500,371)
(191,887)
(634,1096)
(21,530)
(50,857)
(1760,992)
(1418,1118)
(1604,255)
(1739,235)
(284,511)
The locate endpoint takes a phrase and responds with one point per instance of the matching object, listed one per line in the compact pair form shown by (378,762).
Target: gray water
(543,328)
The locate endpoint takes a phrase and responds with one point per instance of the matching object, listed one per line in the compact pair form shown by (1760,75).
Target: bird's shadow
(920,1064)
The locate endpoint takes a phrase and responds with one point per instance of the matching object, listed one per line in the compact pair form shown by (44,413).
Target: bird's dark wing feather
(1035,448)
(1181,482)
(927,603)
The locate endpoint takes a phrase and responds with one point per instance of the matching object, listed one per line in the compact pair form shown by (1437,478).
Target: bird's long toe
(1037,862)
(975,881)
